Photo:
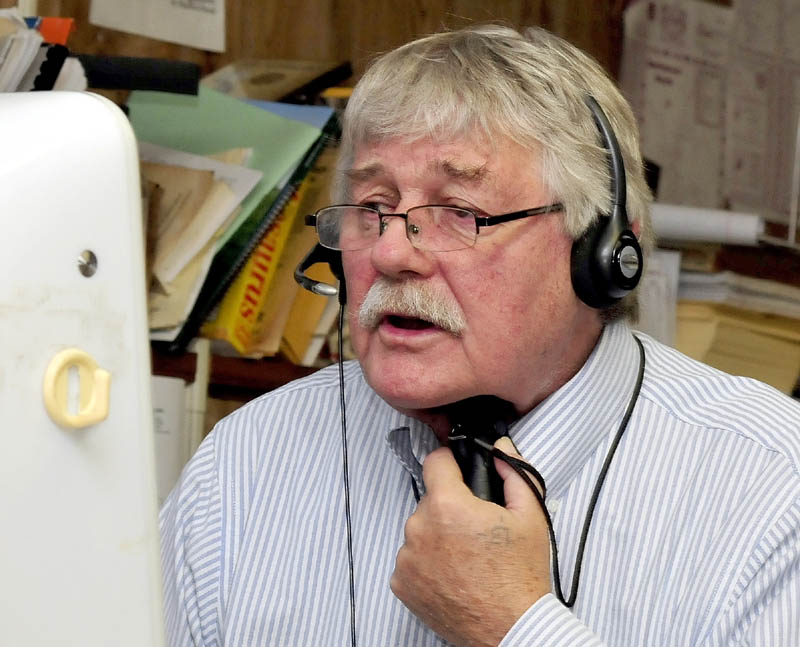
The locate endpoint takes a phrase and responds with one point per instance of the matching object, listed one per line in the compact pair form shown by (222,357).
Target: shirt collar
(411,443)
(564,430)
(560,434)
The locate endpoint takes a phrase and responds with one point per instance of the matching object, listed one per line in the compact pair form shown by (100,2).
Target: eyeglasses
(432,227)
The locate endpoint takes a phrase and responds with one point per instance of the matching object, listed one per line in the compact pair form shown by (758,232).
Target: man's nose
(393,254)
(398,223)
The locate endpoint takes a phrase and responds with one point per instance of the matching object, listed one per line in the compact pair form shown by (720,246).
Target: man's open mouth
(408,323)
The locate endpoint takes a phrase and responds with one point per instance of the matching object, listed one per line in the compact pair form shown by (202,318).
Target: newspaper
(716,90)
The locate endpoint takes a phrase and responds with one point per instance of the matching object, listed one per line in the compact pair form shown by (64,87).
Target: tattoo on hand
(499,535)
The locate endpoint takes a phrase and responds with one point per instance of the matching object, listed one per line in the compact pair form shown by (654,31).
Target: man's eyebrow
(446,167)
(462,173)
(365,173)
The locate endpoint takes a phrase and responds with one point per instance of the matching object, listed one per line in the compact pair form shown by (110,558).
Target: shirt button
(553,506)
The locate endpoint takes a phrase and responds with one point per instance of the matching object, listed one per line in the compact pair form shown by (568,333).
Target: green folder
(211,122)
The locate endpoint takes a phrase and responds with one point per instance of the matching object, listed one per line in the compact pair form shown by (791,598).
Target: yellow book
(272,317)
(312,194)
(308,318)
(237,314)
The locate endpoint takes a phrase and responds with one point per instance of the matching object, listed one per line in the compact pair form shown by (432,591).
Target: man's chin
(417,398)
(413,378)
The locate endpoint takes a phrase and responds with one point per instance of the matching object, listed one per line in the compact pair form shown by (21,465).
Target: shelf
(231,378)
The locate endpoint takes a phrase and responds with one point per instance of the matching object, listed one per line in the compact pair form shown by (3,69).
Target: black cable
(602,477)
(346,477)
(522,468)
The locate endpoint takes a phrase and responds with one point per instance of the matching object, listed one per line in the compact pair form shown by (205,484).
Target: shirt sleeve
(190,522)
(548,623)
(761,613)
(764,611)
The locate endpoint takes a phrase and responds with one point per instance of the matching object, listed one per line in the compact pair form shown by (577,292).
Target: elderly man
(489,264)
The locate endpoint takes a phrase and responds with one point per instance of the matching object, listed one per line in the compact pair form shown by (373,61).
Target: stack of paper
(741,324)
(18,49)
(207,217)
(745,292)
(290,318)
(192,200)
(741,342)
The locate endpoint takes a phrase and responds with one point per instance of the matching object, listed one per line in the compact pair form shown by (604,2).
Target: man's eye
(378,206)
(368,222)
(456,212)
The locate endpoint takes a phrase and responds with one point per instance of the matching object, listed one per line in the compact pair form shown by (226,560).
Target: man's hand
(469,568)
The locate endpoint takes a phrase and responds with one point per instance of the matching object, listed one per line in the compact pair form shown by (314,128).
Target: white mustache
(413,299)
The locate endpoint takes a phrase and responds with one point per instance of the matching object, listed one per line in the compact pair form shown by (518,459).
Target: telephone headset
(606,261)
(606,264)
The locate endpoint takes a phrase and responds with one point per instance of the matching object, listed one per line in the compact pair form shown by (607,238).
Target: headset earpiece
(333,258)
(607,259)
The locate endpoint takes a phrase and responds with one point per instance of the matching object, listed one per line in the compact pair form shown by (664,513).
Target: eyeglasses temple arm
(487,221)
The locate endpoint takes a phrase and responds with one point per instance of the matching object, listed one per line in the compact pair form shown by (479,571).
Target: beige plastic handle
(94,389)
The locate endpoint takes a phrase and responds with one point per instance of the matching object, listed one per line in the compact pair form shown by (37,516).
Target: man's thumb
(517,493)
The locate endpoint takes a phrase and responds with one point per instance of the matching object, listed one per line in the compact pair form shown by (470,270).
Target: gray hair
(491,80)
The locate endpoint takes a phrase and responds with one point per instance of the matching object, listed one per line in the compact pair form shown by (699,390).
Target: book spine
(238,311)
(272,317)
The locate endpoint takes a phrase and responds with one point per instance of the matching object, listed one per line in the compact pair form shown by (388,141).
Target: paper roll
(680,223)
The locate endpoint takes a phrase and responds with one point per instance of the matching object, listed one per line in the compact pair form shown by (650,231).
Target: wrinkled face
(523,331)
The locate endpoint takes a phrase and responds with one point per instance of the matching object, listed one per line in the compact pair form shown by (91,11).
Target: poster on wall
(674,73)
(196,23)
(716,91)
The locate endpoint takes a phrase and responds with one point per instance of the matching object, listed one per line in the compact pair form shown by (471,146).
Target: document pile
(33,54)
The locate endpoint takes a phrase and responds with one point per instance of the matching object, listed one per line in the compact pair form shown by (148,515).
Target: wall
(352,30)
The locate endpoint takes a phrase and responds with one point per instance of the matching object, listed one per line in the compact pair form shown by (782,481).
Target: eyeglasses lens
(440,229)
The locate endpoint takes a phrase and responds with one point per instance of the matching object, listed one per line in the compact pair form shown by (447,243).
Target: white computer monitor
(78,528)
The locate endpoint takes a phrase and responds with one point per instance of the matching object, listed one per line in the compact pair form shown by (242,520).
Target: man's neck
(579,350)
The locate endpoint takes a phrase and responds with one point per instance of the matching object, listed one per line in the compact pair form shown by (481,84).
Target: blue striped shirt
(695,539)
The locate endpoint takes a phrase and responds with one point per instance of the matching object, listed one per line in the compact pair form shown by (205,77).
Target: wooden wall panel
(352,29)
